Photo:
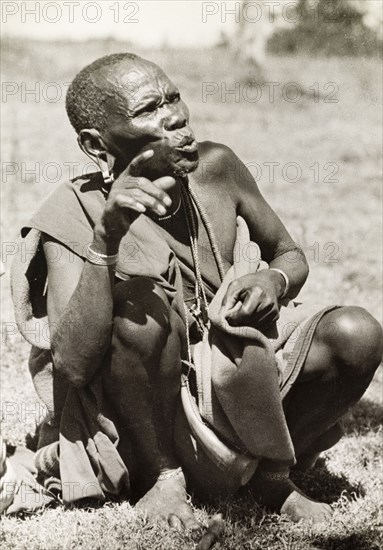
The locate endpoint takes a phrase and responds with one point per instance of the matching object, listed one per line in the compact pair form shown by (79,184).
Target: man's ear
(91,143)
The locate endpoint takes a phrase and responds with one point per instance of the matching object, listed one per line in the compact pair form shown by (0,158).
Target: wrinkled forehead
(133,78)
(140,72)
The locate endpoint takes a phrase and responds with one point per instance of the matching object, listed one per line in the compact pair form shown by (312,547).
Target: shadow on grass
(365,415)
(325,486)
(319,484)
(365,540)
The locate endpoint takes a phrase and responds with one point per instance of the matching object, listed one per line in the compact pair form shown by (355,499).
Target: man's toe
(175,522)
(191,523)
(324,516)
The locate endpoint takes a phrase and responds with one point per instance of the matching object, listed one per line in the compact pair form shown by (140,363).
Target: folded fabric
(19,489)
(244,377)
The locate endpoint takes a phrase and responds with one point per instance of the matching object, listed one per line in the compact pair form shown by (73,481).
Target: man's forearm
(294,264)
(82,333)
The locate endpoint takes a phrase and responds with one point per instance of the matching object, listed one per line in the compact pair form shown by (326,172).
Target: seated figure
(166,267)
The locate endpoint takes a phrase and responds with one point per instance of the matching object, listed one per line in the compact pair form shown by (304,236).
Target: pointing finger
(166,182)
(136,165)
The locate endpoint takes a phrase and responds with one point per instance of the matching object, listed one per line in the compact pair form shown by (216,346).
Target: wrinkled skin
(146,134)
(148,145)
(167,502)
(152,116)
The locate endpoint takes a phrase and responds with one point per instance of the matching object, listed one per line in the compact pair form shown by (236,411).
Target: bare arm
(80,312)
(254,298)
(266,229)
(80,294)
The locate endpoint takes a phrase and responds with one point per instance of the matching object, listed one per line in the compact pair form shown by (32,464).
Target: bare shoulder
(217,153)
(219,165)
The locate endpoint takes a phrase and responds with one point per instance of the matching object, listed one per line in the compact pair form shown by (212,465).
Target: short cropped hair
(85,99)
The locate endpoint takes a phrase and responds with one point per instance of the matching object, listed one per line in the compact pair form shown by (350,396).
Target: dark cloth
(88,437)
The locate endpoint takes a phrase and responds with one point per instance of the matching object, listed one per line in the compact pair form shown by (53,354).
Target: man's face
(149,114)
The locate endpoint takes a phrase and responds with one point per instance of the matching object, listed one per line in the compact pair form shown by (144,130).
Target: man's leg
(142,384)
(344,355)
(343,358)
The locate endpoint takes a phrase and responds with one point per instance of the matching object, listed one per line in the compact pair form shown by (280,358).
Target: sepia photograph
(191,275)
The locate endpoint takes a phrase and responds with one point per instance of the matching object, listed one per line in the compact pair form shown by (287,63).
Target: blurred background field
(333,210)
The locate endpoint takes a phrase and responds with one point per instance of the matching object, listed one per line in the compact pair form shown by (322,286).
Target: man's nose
(175,119)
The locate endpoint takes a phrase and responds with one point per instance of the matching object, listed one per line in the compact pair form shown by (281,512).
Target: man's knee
(354,338)
(141,317)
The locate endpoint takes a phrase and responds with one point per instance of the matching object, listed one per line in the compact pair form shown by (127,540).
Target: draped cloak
(89,463)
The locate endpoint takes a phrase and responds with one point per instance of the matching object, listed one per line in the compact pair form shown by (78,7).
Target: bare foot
(167,502)
(299,507)
(276,491)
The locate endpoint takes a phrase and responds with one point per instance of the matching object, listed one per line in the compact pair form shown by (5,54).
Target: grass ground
(338,223)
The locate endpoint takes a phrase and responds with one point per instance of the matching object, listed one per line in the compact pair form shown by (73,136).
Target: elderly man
(158,208)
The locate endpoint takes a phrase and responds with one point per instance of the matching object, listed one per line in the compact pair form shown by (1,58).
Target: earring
(106,174)
(108,177)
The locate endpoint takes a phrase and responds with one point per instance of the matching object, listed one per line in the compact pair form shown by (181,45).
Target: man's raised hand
(131,195)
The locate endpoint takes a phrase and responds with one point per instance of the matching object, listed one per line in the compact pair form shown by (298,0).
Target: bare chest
(214,220)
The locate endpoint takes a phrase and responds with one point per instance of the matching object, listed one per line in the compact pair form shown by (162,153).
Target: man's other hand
(252,300)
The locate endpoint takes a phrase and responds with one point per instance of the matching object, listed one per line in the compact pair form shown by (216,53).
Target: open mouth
(188,146)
